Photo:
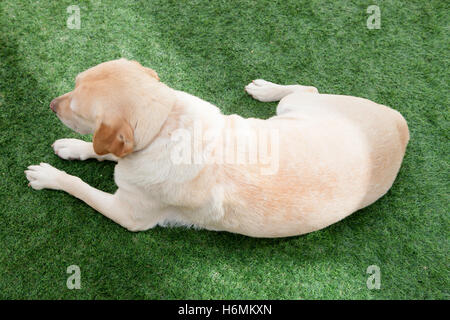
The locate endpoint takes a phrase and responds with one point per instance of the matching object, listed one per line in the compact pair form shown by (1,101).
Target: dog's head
(115,101)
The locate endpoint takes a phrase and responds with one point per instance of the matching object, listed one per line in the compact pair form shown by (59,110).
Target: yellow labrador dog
(180,161)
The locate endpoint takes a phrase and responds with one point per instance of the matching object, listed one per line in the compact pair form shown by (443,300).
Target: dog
(180,161)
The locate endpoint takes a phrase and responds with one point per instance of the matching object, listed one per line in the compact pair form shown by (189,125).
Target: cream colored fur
(336,155)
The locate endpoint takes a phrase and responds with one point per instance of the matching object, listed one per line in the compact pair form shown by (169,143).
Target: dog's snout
(53,105)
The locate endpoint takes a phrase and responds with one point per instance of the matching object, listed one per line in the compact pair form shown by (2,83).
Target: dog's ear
(113,136)
(151,72)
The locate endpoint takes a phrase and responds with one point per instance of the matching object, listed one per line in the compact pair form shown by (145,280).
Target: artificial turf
(212,49)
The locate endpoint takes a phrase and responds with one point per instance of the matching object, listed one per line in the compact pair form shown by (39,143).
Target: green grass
(213,50)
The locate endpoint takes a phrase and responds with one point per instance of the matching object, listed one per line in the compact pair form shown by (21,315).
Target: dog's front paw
(72,149)
(263,90)
(44,176)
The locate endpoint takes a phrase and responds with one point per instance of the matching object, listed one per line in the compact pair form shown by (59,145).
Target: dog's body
(331,155)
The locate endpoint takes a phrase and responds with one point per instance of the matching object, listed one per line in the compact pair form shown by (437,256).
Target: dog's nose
(53,105)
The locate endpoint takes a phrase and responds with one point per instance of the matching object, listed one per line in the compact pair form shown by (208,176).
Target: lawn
(212,49)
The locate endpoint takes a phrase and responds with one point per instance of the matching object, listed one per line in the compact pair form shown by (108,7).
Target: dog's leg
(74,149)
(266,91)
(44,176)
